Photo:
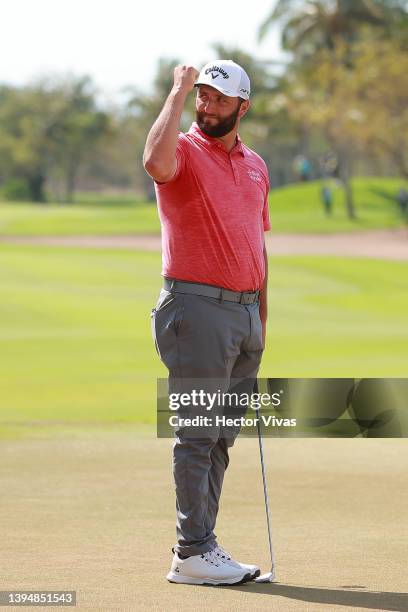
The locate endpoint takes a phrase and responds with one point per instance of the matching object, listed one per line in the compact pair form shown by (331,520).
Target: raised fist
(185,77)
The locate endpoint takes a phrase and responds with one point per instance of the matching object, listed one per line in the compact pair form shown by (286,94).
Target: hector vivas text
(211,402)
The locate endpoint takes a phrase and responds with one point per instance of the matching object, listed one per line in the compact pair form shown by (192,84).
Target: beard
(219,129)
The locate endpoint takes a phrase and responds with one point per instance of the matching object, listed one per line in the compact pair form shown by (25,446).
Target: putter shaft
(268,518)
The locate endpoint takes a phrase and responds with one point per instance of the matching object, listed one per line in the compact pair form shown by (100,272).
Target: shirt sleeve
(180,159)
(265,210)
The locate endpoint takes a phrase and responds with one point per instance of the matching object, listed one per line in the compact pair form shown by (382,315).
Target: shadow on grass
(343,596)
(391,197)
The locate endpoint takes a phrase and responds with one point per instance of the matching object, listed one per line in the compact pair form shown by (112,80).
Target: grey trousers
(220,344)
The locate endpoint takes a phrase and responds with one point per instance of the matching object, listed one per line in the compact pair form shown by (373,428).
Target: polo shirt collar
(213,142)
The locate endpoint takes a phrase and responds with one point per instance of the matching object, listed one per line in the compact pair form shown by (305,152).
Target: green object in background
(296,208)
(75,339)
(16,190)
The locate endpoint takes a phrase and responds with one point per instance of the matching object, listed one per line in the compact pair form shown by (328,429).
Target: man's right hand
(159,157)
(185,77)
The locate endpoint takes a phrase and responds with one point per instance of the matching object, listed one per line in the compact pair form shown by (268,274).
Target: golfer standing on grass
(210,319)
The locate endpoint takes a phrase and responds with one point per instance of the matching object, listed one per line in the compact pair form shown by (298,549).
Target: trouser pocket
(153,329)
(166,318)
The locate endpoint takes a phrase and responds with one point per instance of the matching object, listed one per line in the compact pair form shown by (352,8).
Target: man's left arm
(263,298)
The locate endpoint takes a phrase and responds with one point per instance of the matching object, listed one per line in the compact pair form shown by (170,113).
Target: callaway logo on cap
(226,76)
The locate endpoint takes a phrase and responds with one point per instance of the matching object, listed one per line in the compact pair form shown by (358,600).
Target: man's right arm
(159,157)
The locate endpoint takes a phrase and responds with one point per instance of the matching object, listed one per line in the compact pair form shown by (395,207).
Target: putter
(270,576)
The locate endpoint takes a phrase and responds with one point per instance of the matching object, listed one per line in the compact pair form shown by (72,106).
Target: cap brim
(221,89)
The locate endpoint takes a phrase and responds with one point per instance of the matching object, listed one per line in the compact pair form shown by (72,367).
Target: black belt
(240,297)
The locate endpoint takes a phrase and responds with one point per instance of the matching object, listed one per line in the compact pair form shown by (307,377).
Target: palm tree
(309,25)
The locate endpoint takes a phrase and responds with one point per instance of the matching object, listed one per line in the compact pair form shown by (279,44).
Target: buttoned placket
(233,164)
(235,169)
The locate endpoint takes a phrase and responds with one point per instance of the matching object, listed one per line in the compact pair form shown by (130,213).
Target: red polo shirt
(213,213)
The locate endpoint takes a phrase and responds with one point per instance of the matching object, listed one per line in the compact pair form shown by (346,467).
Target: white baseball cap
(226,76)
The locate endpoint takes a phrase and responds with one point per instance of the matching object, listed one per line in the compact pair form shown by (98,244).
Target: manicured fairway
(75,329)
(295,208)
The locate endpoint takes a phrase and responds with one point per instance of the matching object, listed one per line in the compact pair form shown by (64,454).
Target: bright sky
(118,42)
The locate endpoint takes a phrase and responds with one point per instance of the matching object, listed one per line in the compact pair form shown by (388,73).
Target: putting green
(102,522)
(75,329)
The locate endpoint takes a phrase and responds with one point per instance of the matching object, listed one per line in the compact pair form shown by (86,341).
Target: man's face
(216,114)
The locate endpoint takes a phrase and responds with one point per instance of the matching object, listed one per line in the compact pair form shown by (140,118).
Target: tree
(78,127)
(25,123)
(48,127)
(357,109)
(322,34)
(311,25)
(377,100)
(316,96)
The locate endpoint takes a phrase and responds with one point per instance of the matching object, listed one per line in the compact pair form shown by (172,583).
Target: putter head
(269,577)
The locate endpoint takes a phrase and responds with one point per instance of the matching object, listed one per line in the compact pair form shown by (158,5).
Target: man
(210,319)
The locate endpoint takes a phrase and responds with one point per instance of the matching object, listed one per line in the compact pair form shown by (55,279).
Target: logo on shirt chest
(254,176)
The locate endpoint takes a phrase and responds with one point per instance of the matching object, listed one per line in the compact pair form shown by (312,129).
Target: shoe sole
(179,579)
(256,574)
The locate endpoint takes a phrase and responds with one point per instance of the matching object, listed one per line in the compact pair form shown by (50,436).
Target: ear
(244,108)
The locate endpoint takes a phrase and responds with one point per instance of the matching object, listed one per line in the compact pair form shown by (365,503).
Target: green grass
(296,208)
(75,329)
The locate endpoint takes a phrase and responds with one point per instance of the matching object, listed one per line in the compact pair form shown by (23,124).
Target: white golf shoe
(222,554)
(207,568)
